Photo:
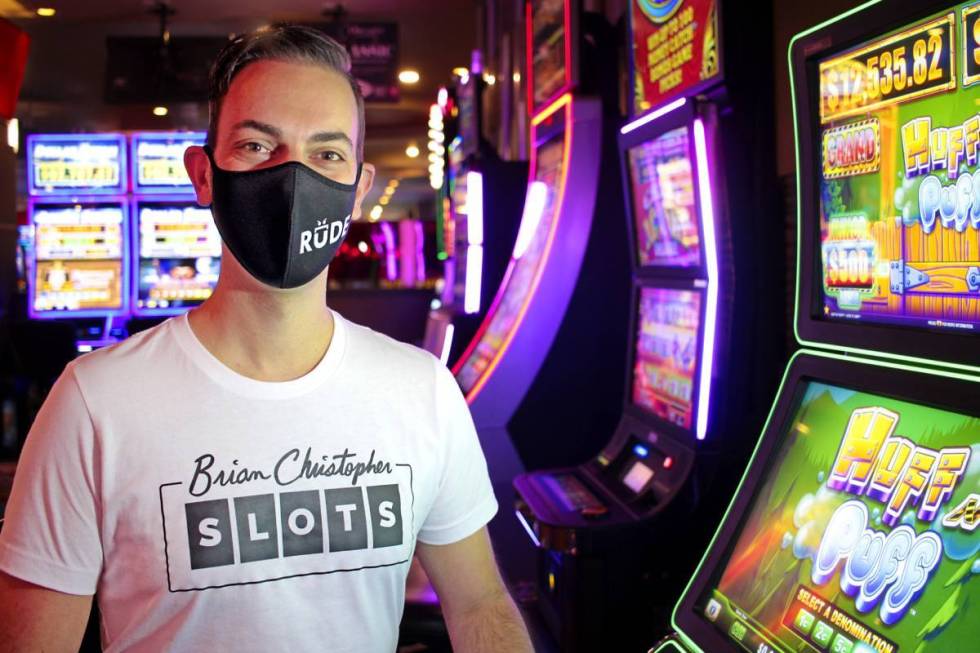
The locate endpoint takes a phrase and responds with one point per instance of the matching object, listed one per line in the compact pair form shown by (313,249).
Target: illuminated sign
(158,161)
(908,65)
(852,149)
(75,165)
(675,48)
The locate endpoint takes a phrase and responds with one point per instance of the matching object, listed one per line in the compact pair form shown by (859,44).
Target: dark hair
(280,42)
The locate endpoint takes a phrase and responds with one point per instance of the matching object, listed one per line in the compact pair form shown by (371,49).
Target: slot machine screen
(179,256)
(665,357)
(547,49)
(861,535)
(67,164)
(899,177)
(662,197)
(158,161)
(522,276)
(78,259)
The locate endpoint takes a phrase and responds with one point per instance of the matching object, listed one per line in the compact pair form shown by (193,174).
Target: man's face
(278,111)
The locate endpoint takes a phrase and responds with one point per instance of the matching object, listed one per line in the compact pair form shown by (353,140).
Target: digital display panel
(524,272)
(67,164)
(899,177)
(158,161)
(78,256)
(179,256)
(666,353)
(862,536)
(548,50)
(674,49)
(662,196)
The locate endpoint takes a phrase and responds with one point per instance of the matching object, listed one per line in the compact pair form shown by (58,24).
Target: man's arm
(480,614)
(34,618)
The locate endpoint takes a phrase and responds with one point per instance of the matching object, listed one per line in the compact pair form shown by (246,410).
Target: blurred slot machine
(79,217)
(176,253)
(482,198)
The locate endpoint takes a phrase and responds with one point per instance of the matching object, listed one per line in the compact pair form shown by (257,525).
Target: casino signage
(675,48)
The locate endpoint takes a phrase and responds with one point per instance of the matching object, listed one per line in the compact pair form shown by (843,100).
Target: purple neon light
(537,198)
(391,262)
(447,343)
(474,208)
(653,115)
(474,279)
(705,196)
(419,252)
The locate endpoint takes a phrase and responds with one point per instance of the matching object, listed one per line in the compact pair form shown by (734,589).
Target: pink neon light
(711,265)
(653,115)
(391,262)
(419,252)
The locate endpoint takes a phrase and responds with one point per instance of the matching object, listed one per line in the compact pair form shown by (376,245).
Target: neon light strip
(537,198)
(653,115)
(711,266)
(447,343)
(419,252)
(527,528)
(474,279)
(474,208)
(563,101)
(391,262)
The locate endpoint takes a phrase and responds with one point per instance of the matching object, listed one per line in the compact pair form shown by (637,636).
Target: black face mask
(283,224)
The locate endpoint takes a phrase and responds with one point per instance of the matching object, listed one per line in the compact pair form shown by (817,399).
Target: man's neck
(266,336)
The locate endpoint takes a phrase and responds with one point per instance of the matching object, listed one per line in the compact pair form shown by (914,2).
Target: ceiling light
(384,200)
(394,183)
(412,151)
(517,78)
(442,98)
(376,212)
(490,79)
(160,111)
(362,247)
(461,71)
(45,12)
(409,76)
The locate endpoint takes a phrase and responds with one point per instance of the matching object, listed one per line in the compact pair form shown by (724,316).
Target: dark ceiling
(64,83)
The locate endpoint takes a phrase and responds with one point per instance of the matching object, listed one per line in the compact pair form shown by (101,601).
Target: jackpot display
(666,353)
(899,128)
(78,259)
(179,256)
(158,161)
(662,196)
(862,537)
(675,49)
(68,164)
(524,272)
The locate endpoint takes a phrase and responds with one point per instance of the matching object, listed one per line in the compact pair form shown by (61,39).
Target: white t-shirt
(213,511)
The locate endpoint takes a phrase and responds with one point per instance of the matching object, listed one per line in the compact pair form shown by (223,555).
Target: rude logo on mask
(325,233)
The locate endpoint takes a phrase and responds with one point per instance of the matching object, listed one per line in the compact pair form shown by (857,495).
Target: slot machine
(484,196)
(697,180)
(566,266)
(854,527)
(176,250)
(79,216)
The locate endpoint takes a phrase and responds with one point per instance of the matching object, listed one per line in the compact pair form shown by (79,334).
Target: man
(255,475)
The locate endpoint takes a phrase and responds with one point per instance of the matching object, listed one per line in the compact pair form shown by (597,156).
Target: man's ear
(199,170)
(363,188)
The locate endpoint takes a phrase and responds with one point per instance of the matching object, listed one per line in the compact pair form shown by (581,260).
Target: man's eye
(331,155)
(253,147)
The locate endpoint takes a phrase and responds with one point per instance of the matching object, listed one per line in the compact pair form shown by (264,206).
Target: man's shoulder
(395,354)
(129,359)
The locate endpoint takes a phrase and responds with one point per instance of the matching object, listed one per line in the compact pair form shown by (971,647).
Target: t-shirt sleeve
(464,500)
(50,535)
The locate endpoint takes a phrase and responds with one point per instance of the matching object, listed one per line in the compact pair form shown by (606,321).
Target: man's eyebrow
(263,127)
(328,137)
